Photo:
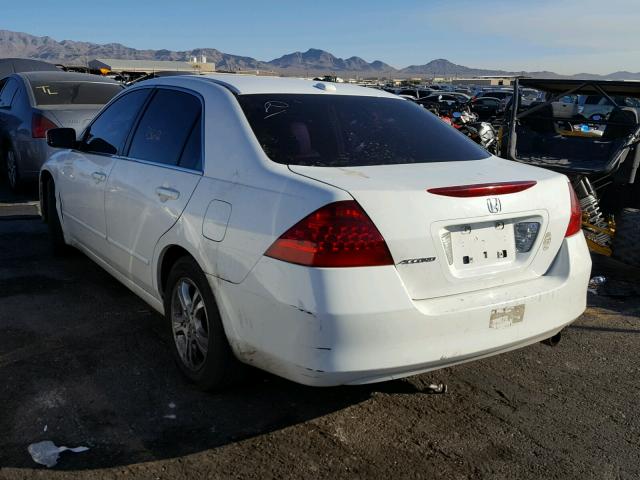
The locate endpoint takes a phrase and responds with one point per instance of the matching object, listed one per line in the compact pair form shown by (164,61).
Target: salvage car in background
(502,94)
(590,131)
(487,108)
(444,99)
(327,233)
(33,102)
(159,74)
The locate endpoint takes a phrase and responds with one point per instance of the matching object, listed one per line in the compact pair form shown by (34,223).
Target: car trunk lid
(71,116)
(444,245)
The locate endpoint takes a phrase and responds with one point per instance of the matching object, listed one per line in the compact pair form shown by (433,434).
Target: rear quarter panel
(266,198)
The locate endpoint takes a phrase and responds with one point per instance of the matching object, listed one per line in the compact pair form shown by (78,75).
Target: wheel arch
(6,140)
(168,257)
(6,143)
(45,182)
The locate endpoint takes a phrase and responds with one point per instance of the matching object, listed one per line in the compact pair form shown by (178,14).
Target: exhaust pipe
(553,341)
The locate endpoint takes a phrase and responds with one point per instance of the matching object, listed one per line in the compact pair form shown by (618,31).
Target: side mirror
(61,138)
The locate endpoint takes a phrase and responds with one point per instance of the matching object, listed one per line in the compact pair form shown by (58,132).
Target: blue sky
(567,36)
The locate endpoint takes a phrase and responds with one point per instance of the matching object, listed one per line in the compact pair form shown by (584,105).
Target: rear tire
(56,238)
(12,169)
(198,341)
(626,243)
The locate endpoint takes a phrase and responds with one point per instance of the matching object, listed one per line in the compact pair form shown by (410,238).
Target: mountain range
(311,62)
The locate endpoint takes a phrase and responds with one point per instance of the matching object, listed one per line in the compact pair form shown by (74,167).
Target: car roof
(9,66)
(253,84)
(64,77)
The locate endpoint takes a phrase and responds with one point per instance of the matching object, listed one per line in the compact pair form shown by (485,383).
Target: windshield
(74,93)
(348,131)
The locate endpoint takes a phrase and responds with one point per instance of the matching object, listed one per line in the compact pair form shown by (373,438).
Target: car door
(84,172)
(147,192)
(8,122)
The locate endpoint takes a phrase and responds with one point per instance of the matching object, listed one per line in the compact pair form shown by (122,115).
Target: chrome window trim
(156,164)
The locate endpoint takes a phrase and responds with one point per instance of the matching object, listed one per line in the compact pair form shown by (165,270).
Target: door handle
(165,194)
(99,176)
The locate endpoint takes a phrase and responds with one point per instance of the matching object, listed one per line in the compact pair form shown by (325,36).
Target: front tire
(56,237)
(198,341)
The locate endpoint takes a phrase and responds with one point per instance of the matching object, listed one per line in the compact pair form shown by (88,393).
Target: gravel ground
(86,359)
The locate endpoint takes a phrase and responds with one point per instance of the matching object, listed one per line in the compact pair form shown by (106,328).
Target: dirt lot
(84,358)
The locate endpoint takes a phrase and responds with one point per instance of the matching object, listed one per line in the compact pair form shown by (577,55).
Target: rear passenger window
(110,130)
(165,127)
(191,157)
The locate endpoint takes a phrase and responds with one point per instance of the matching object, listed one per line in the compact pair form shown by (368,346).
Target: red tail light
(39,126)
(483,189)
(337,235)
(575,220)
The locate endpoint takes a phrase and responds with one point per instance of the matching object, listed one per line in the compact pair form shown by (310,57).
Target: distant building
(487,80)
(114,65)
(259,73)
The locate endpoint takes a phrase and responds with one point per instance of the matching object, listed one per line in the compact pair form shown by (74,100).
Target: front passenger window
(165,127)
(108,133)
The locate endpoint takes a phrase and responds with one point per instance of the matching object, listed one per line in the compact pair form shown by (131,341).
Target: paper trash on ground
(47,453)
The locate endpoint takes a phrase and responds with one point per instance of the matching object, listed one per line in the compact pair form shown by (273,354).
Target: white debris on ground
(171,416)
(46,452)
(172,405)
(437,388)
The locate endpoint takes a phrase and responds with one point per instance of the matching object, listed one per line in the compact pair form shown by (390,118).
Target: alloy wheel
(190,324)
(12,169)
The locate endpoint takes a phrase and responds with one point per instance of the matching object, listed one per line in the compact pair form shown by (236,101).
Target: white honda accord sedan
(328,233)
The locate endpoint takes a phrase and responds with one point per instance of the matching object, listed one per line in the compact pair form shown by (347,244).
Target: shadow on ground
(87,360)
(26,194)
(84,362)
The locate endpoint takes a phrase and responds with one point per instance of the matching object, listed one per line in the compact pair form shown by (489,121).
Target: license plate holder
(482,244)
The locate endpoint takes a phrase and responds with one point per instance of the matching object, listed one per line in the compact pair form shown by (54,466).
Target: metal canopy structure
(148,66)
(560,86)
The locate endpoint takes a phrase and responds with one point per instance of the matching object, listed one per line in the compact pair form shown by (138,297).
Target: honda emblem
(493,204)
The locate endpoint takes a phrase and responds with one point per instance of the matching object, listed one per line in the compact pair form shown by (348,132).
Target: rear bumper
(327,327)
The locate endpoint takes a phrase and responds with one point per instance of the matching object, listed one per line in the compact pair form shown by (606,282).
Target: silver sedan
(33,102)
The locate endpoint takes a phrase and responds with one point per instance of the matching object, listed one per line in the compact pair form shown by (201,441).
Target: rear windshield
(497,94)
(349,131)
(74,93)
